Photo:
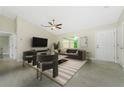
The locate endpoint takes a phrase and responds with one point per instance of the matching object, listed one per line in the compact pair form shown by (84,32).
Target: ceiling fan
(53,26)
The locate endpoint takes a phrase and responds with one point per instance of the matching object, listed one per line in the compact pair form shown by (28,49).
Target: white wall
(121,18)
(120,31)
(7,24)
(4,43)
(25,32)
(91,36)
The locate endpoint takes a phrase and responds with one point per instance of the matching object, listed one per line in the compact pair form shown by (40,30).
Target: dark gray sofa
(76,54)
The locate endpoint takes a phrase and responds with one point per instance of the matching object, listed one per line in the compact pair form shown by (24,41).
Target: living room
(76,40)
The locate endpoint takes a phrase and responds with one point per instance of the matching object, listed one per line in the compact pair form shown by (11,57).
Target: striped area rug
(66,71)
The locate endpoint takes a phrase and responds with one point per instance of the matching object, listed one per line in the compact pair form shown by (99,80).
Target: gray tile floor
(92,74)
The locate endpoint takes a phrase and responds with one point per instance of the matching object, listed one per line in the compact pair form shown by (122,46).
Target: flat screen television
(39,42)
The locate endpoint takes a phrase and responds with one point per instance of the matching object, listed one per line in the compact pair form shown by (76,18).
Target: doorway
(4,46)
(7,45)
(105,45)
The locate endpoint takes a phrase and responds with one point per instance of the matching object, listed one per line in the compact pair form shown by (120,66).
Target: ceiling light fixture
(53,26)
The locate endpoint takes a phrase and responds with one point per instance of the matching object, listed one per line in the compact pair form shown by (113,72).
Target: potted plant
(57,46)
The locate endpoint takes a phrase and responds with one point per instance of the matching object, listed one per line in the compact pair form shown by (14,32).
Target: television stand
(44,50)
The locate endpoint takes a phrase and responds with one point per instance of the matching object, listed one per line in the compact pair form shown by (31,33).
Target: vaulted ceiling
(73,18)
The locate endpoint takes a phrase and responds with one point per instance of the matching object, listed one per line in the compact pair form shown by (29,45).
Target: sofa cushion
(71,50)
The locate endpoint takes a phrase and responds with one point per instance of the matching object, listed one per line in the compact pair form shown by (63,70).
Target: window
(75,42)
(70,42)
(65,43)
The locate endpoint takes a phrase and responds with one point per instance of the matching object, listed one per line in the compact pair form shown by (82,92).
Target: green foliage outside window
(75,42)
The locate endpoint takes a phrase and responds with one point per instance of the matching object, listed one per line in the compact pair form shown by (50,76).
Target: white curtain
(84,42)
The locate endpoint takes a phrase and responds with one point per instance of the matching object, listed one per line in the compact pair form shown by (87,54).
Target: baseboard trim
(95,59)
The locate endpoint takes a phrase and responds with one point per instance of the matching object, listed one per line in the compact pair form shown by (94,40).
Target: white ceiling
(73,18)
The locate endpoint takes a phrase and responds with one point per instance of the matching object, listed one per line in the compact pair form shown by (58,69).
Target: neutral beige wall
(7,24)
(4,43)
(91,36)
(25,32)
(121,18)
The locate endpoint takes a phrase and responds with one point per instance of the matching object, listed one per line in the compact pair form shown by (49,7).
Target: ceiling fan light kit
(53,26)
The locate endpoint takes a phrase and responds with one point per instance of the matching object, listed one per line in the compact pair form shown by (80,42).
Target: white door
(120,44)
(105,45)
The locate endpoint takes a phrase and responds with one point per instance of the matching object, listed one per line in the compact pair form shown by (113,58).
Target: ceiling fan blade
(58,27)
(50,23)
(58,24)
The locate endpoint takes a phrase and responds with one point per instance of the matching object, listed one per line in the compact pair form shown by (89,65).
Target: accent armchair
(48,62)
